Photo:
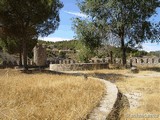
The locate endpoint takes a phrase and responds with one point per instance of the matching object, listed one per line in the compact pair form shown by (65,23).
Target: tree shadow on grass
(122,104)
(112,77)
(156,69)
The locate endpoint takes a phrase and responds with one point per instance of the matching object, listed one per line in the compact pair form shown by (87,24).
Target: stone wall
(146,61)
(78,66)
(40,56)
(149,61)
(103,63)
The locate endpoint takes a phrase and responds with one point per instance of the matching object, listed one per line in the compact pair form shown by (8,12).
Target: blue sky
(65,32)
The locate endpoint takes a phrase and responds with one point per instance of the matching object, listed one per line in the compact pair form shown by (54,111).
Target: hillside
(155,53)
(62,45)
(72,50)
(103,51)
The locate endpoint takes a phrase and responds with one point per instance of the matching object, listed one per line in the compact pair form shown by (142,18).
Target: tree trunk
(111,57)
(123,50)
(20,55)
(25,55)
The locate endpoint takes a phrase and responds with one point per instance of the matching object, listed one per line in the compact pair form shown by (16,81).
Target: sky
(70,11)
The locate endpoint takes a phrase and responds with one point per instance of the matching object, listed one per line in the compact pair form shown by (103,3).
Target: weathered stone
(78,66)
(72,61)
(40,56)
(60,61)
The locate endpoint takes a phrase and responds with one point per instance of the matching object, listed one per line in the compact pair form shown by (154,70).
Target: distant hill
(62,49)
(62,45)
(155,53)
(103,51)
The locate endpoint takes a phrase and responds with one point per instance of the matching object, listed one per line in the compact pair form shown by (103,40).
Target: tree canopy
(88,33)
(128,20)
(24,20)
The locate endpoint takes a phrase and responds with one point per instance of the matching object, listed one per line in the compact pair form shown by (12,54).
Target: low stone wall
(78,66)
(107,103)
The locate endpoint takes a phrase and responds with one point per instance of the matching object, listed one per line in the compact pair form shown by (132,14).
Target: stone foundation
(78,66)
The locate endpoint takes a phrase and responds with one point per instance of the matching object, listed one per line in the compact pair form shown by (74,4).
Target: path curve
(107,103)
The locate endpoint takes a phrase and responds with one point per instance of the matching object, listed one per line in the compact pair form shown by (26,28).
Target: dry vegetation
(45,96)
(146,82)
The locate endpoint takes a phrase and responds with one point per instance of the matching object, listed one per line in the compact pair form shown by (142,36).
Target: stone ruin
(146,60)
(149,61)
(106,60)
(40,55)
(68,64)
(40,59)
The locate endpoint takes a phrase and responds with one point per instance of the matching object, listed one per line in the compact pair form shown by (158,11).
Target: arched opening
(142,61)
(152,60)
(135,60)
(147,60)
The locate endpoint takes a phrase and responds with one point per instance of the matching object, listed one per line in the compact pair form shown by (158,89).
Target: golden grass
(46,96)
(149,86)
(146,82)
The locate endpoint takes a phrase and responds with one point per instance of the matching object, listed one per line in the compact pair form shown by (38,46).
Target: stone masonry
(40,56)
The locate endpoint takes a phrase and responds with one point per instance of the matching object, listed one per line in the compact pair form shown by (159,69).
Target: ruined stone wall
(71,65)
(40,55)
(103,63)
(146,61)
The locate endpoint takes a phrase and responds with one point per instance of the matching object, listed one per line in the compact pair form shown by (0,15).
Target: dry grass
(146,82)
(44,96)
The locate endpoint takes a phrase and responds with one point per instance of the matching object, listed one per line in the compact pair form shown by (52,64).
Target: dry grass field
(42,96)
(142,90)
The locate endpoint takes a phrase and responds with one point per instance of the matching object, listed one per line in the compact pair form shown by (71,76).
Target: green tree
(128,20)
(62,54)
(84,53)
(25,20)
(89,35)
(14,47)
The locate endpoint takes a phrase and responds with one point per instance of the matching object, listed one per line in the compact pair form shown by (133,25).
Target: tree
(90,37)
(128,20)
(25,20)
